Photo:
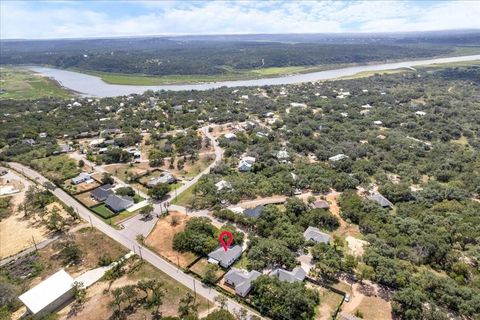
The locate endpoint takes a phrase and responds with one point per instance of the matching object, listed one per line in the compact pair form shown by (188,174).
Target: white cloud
(63,20)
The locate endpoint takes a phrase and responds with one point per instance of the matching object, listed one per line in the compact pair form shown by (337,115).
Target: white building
(338,157)
(246,164)
(49,294)
(230,136)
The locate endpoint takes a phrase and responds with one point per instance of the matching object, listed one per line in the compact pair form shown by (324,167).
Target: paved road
(126,238)
(130,243)
(138,225)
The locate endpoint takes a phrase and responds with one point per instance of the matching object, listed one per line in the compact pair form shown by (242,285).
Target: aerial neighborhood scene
(240,160)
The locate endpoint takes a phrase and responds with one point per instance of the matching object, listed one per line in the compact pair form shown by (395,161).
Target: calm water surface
(88,85)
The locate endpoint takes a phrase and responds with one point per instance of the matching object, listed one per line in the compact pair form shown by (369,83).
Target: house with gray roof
(165,177)
(225,258)
(254,212)
(241,280)
(320,204)
(118,204)
(381,200)
(316,235)
(101,193)
(82,177)
(298,274)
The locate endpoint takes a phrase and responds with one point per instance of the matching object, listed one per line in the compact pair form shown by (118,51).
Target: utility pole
(194,290)
(34,243)
(91,223)
(140,251)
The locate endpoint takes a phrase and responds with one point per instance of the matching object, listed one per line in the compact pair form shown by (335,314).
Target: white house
(338,157)
(82,177)
(49,294)
(230,136)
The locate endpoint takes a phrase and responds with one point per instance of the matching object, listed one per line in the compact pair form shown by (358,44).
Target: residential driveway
(130,242)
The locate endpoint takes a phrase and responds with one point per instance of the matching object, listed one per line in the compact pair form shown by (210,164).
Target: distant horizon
(470,30)
(50,20)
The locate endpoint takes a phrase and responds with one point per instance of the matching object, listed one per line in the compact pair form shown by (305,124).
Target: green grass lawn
(22,84)
(185,198)
(231,74)
(57,167)
(103,211)
(110,217)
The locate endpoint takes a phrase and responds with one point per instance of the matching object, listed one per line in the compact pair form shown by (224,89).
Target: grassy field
(23,84)
(201,266)
(185,198)
(148,80)
(57,167)
(237,74)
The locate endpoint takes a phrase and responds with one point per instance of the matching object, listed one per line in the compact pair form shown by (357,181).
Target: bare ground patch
(161,239)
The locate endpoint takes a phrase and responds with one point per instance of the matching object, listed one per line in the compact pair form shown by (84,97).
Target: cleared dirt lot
(123,171)
(345,228)
(161,239)
(371,300)
(86,199)
(17,232)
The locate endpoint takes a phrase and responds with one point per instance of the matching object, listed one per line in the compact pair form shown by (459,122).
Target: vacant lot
(126,171)
(346,229)
(200,268)
(99,295)
(23,84)
(56,167)
(161,239)
(79,188)
(329,302)
(86,199)
(17,234)
(16,231)
(371,300)
(190,169)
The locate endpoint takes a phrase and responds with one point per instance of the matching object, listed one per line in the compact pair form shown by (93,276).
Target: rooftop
(47,291)
(316,235)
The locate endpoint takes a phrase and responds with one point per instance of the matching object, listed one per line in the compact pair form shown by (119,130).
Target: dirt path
(372,300)
(345,228)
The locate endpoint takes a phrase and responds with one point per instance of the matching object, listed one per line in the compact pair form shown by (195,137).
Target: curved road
(129,240)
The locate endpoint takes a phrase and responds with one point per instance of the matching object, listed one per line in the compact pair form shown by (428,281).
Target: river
(93,86)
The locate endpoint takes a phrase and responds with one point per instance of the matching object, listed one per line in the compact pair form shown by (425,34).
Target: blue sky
(73,19)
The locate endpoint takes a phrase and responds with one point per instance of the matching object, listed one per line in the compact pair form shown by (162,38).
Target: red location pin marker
(221,239)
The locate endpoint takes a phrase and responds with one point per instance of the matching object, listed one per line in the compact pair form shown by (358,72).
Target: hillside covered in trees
(217,55)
